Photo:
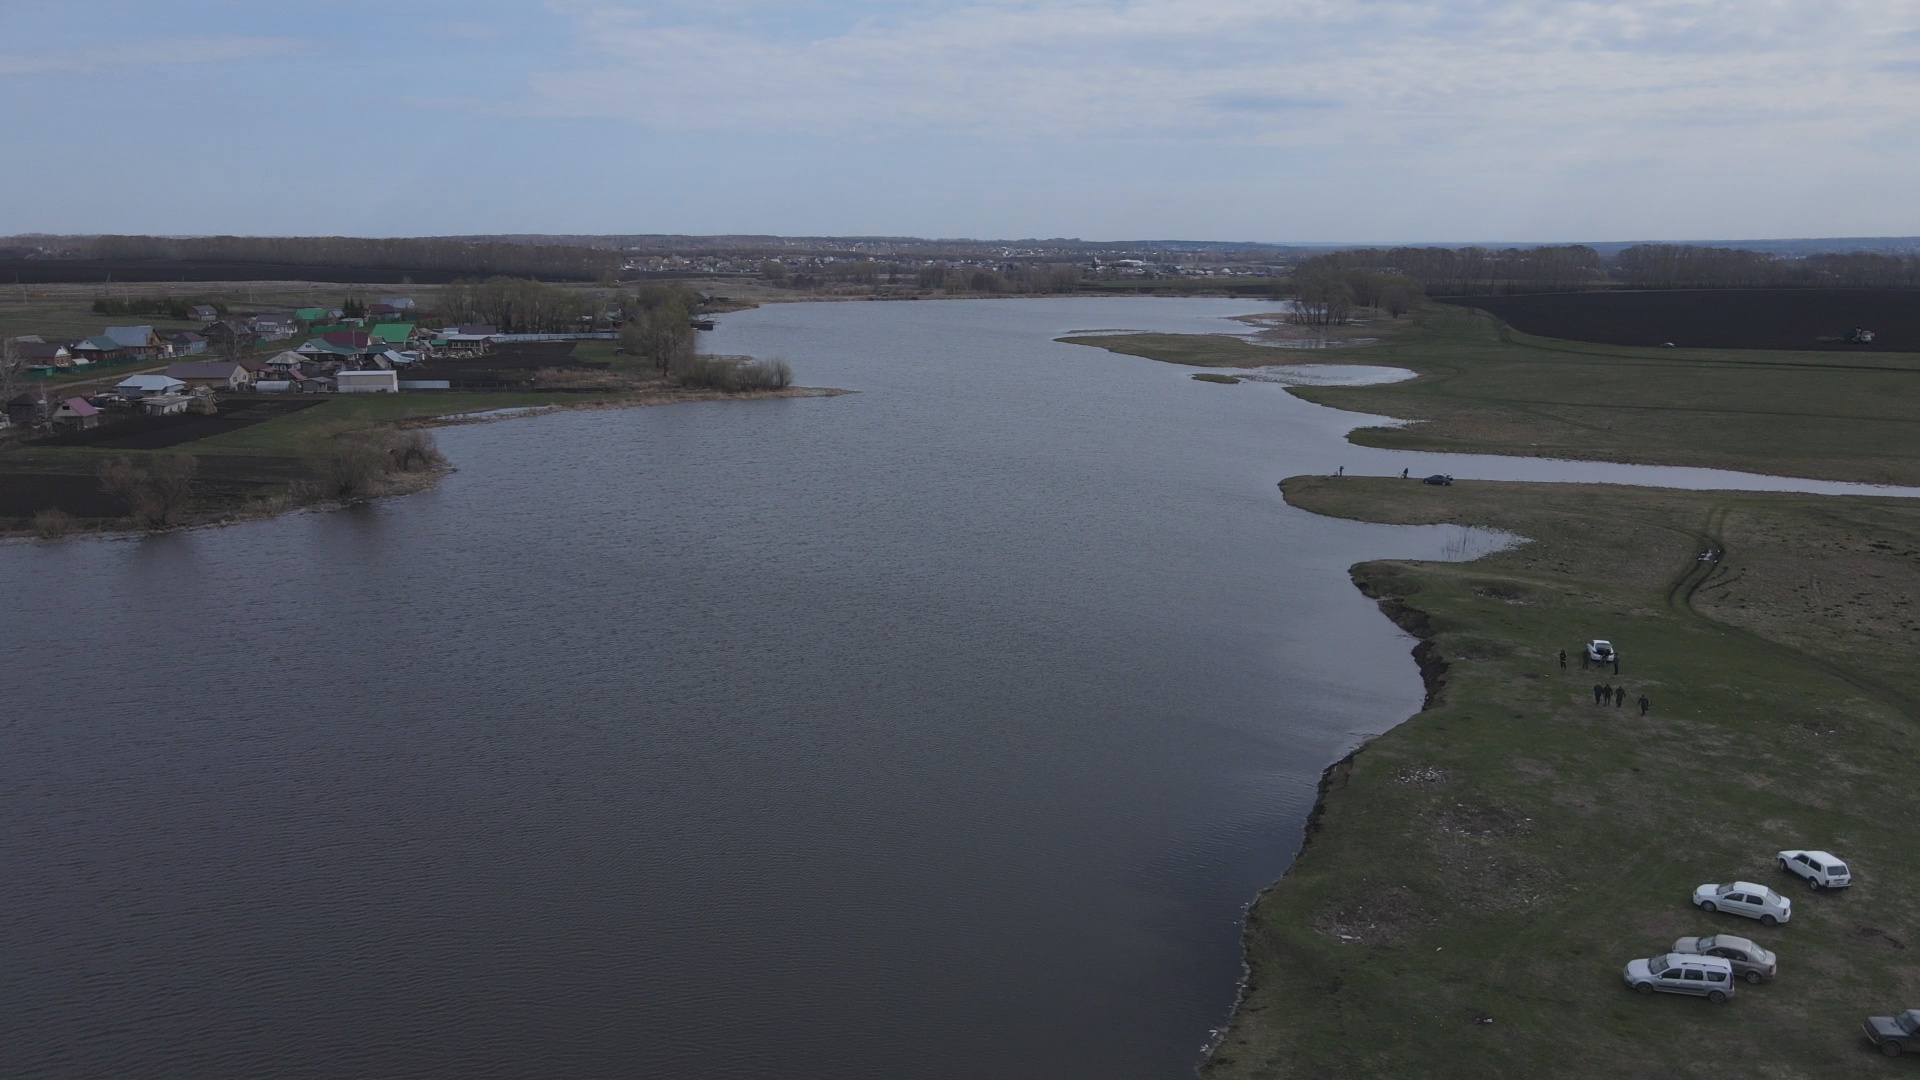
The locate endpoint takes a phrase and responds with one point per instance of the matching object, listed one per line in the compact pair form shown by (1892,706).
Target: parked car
(1750,961)
(1601,652)
(1745,898)
(1895,1034)
(1821,869)
(1438,480)
(1710,977)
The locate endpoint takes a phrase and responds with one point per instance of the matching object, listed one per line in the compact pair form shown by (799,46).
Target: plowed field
(1717,319)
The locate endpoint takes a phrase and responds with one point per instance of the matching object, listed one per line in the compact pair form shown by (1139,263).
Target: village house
(213,374)
(164,404)
(393,334)
(184,342)
(29,407)
(138,342)
(42,354)
(203,313)
(136,387)
(99,349)
(76,413)
(274,326)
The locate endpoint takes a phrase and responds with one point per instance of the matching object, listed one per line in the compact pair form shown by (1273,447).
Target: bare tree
(13,370)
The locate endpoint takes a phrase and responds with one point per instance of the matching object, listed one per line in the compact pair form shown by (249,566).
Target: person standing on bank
(1563,659)
(1644,704)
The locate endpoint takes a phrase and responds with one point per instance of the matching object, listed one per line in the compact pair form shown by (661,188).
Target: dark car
(1894,1034)
(1440,479)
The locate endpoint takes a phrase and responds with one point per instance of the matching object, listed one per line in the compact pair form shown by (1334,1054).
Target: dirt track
(1717,319)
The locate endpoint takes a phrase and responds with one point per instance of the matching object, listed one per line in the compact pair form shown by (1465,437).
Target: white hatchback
(1745,898)
(1821,869)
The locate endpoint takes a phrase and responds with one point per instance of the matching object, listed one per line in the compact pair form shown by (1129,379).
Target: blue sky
(1306,120)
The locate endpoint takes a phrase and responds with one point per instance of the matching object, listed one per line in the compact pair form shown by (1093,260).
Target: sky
(1361,121)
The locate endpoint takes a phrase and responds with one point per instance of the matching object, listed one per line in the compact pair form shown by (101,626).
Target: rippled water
(938,730)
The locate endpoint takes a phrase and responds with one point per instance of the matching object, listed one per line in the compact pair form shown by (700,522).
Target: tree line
(158,307)
(1470,270)
(1683,266)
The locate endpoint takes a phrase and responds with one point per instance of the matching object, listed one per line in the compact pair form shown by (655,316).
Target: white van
(1710,977)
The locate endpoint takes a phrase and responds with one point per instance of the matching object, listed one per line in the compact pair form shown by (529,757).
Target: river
(943,729)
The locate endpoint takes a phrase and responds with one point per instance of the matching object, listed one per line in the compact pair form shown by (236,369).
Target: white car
(1821,869)
(1745,898)
(1710,977)
(1601,652)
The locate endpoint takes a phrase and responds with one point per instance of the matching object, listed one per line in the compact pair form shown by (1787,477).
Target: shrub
(414,449)
(770,374)
(52,523)
(733,373)
(348,466)
(157,492)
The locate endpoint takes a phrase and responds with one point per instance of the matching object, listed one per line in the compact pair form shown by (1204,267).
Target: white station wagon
(1710,977)
(1745,898)
(1821,869)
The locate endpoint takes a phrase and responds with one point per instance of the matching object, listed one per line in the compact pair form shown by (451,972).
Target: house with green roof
(311,315)
(393,333)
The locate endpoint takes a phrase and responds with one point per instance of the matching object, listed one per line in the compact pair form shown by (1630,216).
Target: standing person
(1585,660)
(1403,474)
(1619,696)
(1341,471)
(1644,704)
(1597,690)
(1563,659)
(1616,661)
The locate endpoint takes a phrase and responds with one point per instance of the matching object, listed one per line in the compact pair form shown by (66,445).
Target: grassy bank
(283,463)
(1485,389)
(1500,856)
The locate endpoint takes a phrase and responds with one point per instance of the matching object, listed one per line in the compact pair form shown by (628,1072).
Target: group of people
(1603,693)
(1618,695)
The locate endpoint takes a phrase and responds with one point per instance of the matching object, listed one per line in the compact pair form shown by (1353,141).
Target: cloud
(109,57)
(1548,72)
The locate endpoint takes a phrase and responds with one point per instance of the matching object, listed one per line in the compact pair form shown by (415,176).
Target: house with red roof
(76,412)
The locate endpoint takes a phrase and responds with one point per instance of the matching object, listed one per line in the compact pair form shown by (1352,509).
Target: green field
(1504,853)
(1485,389)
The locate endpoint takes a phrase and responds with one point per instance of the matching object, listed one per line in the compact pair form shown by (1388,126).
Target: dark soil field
(1717,319)
(71,483)
(84,271)
(162,432)
(509,365)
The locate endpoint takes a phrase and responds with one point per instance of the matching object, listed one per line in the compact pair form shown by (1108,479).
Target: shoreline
(398,484)
(1334,778)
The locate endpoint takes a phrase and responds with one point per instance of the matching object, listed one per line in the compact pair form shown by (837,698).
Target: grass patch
(1192,350)
(1505,852)
(1483,388)
(1208,376)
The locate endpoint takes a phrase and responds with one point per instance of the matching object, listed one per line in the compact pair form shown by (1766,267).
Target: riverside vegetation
(1474,879)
